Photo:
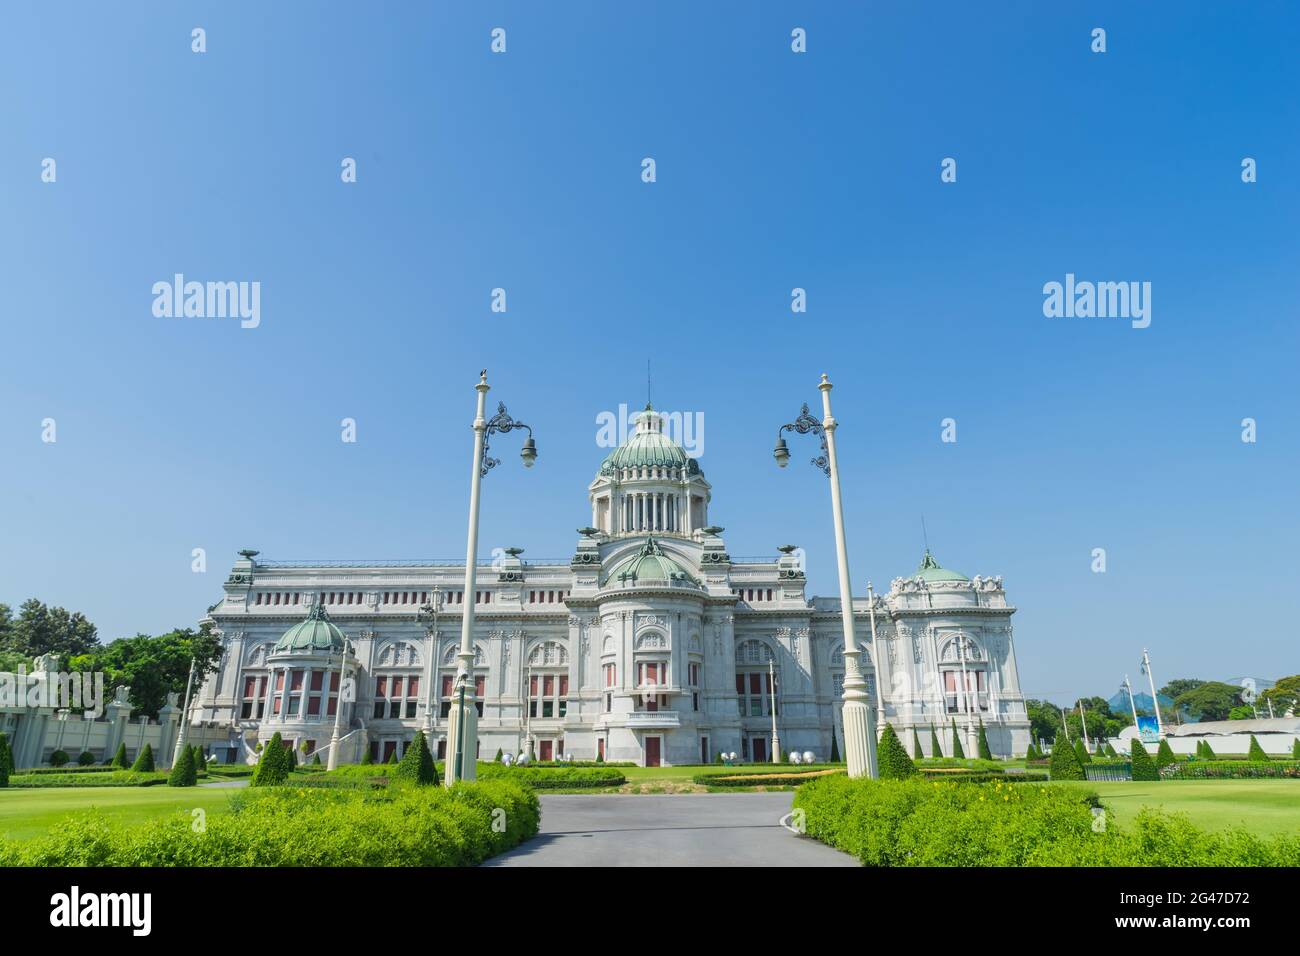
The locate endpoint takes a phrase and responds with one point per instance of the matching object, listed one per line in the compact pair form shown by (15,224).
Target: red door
(759,746)
(600,748)
(652,751)
(546,750)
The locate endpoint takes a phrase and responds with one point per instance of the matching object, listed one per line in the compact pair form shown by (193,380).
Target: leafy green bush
(892,759)
(144,762)
(58,758)
(289,827)
(85,759)
(1165,754)
(983,743)
(417,763)
(1256,752)
(184,773)
(1065,761)
(1144,768)
(923,823)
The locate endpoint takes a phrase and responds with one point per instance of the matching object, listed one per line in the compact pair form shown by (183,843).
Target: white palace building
(650,644)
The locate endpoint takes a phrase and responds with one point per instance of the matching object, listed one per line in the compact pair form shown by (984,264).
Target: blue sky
(774,171)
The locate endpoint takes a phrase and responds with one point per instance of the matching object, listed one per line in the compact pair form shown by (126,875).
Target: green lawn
(26,813)
(1261,806)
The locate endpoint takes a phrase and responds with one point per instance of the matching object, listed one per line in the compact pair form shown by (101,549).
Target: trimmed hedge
(284,826)
(101,778)
(553,778)
(922,823)
(777,778)
(1231,769)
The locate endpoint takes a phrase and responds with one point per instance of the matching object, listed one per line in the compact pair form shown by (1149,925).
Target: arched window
(964,673)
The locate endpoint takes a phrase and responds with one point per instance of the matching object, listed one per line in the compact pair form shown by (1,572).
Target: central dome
(649,447)
(931,570)
(650,568)
(314,633)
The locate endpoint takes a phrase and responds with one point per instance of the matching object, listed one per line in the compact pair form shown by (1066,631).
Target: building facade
(650,643)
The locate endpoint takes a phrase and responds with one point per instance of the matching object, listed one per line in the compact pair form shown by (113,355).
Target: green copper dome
(930,570)
(649,447)
(650,568)
(313,633)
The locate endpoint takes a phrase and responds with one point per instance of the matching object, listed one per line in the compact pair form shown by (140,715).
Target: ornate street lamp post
(428,615)
(462,727)
(875,662)
(859,735)
(185,715)
(771,706)
(332,761)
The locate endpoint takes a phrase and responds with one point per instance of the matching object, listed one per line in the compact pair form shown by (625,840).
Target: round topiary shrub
(85,758)
(58,758)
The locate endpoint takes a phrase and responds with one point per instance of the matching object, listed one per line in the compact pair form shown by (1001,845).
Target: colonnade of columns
(652,511)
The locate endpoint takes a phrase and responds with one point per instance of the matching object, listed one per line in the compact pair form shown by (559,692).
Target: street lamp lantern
(859,734)
(781,453)
(529,452)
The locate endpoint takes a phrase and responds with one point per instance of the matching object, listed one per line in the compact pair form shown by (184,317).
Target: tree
(1176,688)
(153,667)
(1044,719)
(1081,753)
(40,629)
(119,758)
(1165,753)
(983,743)
(1284,695)
(1144,768)
(6,758)
(892,758)
(184,773)
(935,749)
(1209,700)
(1065,761)
(144,762)
(957,750)
(917,752)
(417,763)
(1244,712)
(1256,752)
(273,765)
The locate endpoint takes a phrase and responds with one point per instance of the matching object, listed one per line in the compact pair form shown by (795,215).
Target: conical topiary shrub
(1031,752)
(6,760)
(367,758)
(315,760)
(1256,751)
(273,765)
(835,747)
(892,759)
(917,752)
(1165,754)
(119,758)
(1081,752)
(957,750)
(200,761)
(1295,748)
(1065,761)
(184,773)
(417,763)
(500,753)
(1144,768)
(144,763)
(983,743)
(935,749)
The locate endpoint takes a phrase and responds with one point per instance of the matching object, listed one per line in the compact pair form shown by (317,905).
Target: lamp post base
(860,739)
(461,739)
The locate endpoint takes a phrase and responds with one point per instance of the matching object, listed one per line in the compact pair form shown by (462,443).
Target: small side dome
(650,568)
(314,633)
(931,570)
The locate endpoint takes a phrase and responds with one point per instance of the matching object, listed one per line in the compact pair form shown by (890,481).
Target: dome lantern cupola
(316,632)
(931,570)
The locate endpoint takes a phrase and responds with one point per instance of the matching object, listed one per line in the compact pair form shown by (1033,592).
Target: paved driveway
(706,829)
